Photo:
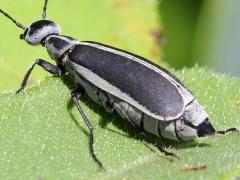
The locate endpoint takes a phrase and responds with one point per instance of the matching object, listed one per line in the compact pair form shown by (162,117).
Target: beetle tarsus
(228,130)
(165,152)
(92,149)
(20,90)
(76,94)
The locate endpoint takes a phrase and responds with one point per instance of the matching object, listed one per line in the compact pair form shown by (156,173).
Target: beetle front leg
(76,94)
(46,66)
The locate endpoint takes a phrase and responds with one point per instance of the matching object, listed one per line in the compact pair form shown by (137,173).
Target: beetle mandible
(119,81)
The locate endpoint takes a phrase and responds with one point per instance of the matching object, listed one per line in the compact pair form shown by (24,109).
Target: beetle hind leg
(161,149)
(228,130)
(76,94)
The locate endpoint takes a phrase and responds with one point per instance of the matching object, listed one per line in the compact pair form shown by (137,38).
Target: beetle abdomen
(136,78)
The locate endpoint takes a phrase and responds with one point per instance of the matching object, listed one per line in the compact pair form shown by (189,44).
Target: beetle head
(36,32)
(192,124)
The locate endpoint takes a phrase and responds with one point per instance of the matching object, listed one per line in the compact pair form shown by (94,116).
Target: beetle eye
(21,36)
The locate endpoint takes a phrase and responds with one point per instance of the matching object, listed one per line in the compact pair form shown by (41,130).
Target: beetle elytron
(148,96)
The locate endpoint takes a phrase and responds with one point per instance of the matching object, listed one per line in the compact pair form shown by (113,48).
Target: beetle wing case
(132,79)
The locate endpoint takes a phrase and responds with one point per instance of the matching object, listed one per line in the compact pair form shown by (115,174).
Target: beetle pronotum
(119,81)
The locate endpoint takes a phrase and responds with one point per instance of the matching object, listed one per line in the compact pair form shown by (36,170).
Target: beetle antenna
(44,10)
(13,20)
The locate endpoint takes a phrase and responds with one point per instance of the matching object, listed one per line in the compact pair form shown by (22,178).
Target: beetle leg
(228,130)
(167,153)
(46,66)
(105,101)
(75,93)
(161,149)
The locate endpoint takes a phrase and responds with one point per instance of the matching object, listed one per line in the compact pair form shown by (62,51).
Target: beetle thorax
(57,45)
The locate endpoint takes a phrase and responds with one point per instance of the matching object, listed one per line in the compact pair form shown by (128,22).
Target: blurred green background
(181,33)
(204,32)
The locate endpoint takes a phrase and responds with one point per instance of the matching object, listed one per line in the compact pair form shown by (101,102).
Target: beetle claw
(19,90)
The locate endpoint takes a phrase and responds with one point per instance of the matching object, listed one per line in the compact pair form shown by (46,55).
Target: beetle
(148,96)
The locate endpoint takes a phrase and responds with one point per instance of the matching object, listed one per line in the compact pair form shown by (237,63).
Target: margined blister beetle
(147,95)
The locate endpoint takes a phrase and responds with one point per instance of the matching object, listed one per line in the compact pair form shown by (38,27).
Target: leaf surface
(43,136)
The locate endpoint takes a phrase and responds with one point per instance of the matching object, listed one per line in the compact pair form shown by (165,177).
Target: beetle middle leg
(76,94)
(46,66)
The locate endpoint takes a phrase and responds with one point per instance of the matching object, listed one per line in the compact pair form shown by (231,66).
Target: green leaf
(43,136)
